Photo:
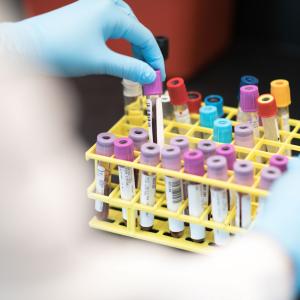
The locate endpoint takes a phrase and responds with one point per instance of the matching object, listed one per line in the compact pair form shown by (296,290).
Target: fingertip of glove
(148,76)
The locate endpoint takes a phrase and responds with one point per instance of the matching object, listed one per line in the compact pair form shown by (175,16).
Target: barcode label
(100,185)
(149,118)
(219,204)
(126,178)
(243,210)
(174,193)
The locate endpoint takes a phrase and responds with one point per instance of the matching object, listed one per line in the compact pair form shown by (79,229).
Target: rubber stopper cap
(194,102)
(177,91)
(280,89)
(266,106)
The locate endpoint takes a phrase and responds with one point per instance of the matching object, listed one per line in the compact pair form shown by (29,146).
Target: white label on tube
(219,207)
(149,118)
(205,193)
(284,122)
(148,188)
(127,188)
(243,210)
(183,116)
(100,185)
(196,207)
(174,196)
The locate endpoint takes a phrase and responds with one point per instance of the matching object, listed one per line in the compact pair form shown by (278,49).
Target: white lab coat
(47,250)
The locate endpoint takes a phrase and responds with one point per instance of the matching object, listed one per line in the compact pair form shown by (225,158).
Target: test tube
(243,175)
(217,101)
(194,102)
(267,111)
(245,80)
(248,105)
(153,91)
(150,155)
(267,177)
(222,131)
(179,99)
(105,147)
(228,151)
(170,156)
(194,164)
(167,106)
(182,142)
(124,149)
(208,114)
(131,93)
(139,137)
(243,137)
(207,147)
(217,169)
(280,89)
(280,162)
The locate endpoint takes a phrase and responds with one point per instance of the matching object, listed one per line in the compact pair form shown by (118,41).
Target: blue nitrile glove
(281,216)
(73,39)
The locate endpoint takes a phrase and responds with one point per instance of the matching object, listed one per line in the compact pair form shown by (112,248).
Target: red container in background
(198,30)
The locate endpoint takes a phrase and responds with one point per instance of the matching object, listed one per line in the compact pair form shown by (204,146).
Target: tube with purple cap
(194,164)
(279,161)
(182,142)
(243,175)
(150,155)
(170,156)
(153,91)
(267,177)
(243,137)
(217,169)
(105,147)
(124,149)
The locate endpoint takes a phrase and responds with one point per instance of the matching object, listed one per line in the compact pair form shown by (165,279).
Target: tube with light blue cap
(222,131)
(208,114)
(217,101)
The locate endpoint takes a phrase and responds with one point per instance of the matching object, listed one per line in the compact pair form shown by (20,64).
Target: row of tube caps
(218,160)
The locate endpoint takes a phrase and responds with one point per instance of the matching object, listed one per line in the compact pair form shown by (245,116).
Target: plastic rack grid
(160,233)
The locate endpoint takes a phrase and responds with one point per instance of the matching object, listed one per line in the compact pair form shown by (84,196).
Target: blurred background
(212,44)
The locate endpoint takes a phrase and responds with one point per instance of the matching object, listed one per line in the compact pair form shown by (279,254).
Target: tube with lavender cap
(243,137)
(267,177)
(194,164)
(150,155)
(217,169)
(105,147)
(279,161)
(243,175)
(153,91)
(124,149)
(170,156)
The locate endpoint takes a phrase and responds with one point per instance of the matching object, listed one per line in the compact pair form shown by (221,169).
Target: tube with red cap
(194,164)
(179,98)
(267,110)
(243,175)
(194,102)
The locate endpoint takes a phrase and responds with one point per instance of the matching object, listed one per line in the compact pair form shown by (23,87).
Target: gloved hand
(281,216)
(73,39)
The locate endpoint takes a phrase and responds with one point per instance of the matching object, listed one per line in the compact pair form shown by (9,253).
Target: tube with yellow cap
(280,89)
(267,110)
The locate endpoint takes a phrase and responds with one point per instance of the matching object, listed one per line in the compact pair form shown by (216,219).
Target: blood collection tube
(243,137)
(170,156)
(228,151)
(194,102)
(217,169)
(280,162)
(153,91)
(267,177)
(280,89)
(105,147)
(182,142)
(208,114)
(245,80)
(167,106)
(243,175)
(222,131)
(123,149)
(194,164)
(267,111)
(131,93)
(207,147)
(248,105)
(150,155)
(139,137)
(179,99)
(217,101)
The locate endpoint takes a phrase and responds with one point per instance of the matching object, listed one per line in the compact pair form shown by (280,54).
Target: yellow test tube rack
(160,233)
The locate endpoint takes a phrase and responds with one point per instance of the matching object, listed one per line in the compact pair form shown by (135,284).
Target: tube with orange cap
(179,99)
(267,110)
(280,89)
